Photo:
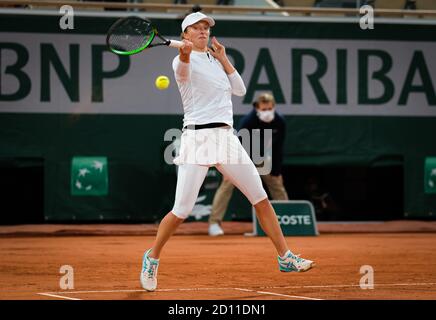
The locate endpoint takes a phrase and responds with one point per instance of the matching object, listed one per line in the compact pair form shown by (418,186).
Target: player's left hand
(219,51)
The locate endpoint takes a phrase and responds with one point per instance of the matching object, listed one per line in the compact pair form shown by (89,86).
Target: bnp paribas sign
(75,73)
(296,218)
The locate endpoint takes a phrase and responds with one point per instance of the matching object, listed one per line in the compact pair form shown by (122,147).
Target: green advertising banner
(430,175)
(296,218)
(89,176)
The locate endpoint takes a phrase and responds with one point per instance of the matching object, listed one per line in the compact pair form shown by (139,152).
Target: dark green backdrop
(141,185)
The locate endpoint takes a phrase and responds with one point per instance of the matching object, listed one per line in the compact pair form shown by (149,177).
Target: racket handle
(175,44)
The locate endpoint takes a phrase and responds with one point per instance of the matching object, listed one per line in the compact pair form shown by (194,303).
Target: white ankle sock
(286,254)
(153,259)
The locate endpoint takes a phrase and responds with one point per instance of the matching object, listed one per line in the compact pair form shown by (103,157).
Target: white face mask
(266,116)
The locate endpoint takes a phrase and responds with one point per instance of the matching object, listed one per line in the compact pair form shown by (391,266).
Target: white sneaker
(294,263)
(215,230)
(149,272)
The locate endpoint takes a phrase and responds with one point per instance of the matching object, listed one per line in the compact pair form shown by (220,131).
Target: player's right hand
(186,49)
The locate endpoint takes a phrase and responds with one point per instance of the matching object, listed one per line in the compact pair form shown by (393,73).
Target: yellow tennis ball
(162,82)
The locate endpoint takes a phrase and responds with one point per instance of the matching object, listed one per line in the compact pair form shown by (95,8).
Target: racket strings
(131,35)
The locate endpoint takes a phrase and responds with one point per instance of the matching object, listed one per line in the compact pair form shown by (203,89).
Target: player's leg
(167,227)
(190,177)
(246,178)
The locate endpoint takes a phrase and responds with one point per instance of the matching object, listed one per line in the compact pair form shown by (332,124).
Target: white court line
(195,289)
(56,296)
(278,294)
(157,290)
(352,285)
(183,289)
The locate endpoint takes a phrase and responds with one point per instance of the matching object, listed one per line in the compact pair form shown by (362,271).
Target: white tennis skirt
(219,147)
(210,147)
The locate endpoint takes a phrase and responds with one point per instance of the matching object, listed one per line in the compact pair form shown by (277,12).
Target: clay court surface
(233,267)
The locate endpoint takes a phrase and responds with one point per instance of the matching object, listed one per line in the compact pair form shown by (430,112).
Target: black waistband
(206,126)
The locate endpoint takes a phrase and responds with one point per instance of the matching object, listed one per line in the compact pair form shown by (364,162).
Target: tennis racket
(131,35)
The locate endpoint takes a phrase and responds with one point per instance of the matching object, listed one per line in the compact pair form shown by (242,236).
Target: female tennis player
(206,80)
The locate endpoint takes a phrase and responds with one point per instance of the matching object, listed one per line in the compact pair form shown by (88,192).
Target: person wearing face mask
(263,116)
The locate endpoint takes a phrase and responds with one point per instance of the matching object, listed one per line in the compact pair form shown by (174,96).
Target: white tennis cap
(192,18)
